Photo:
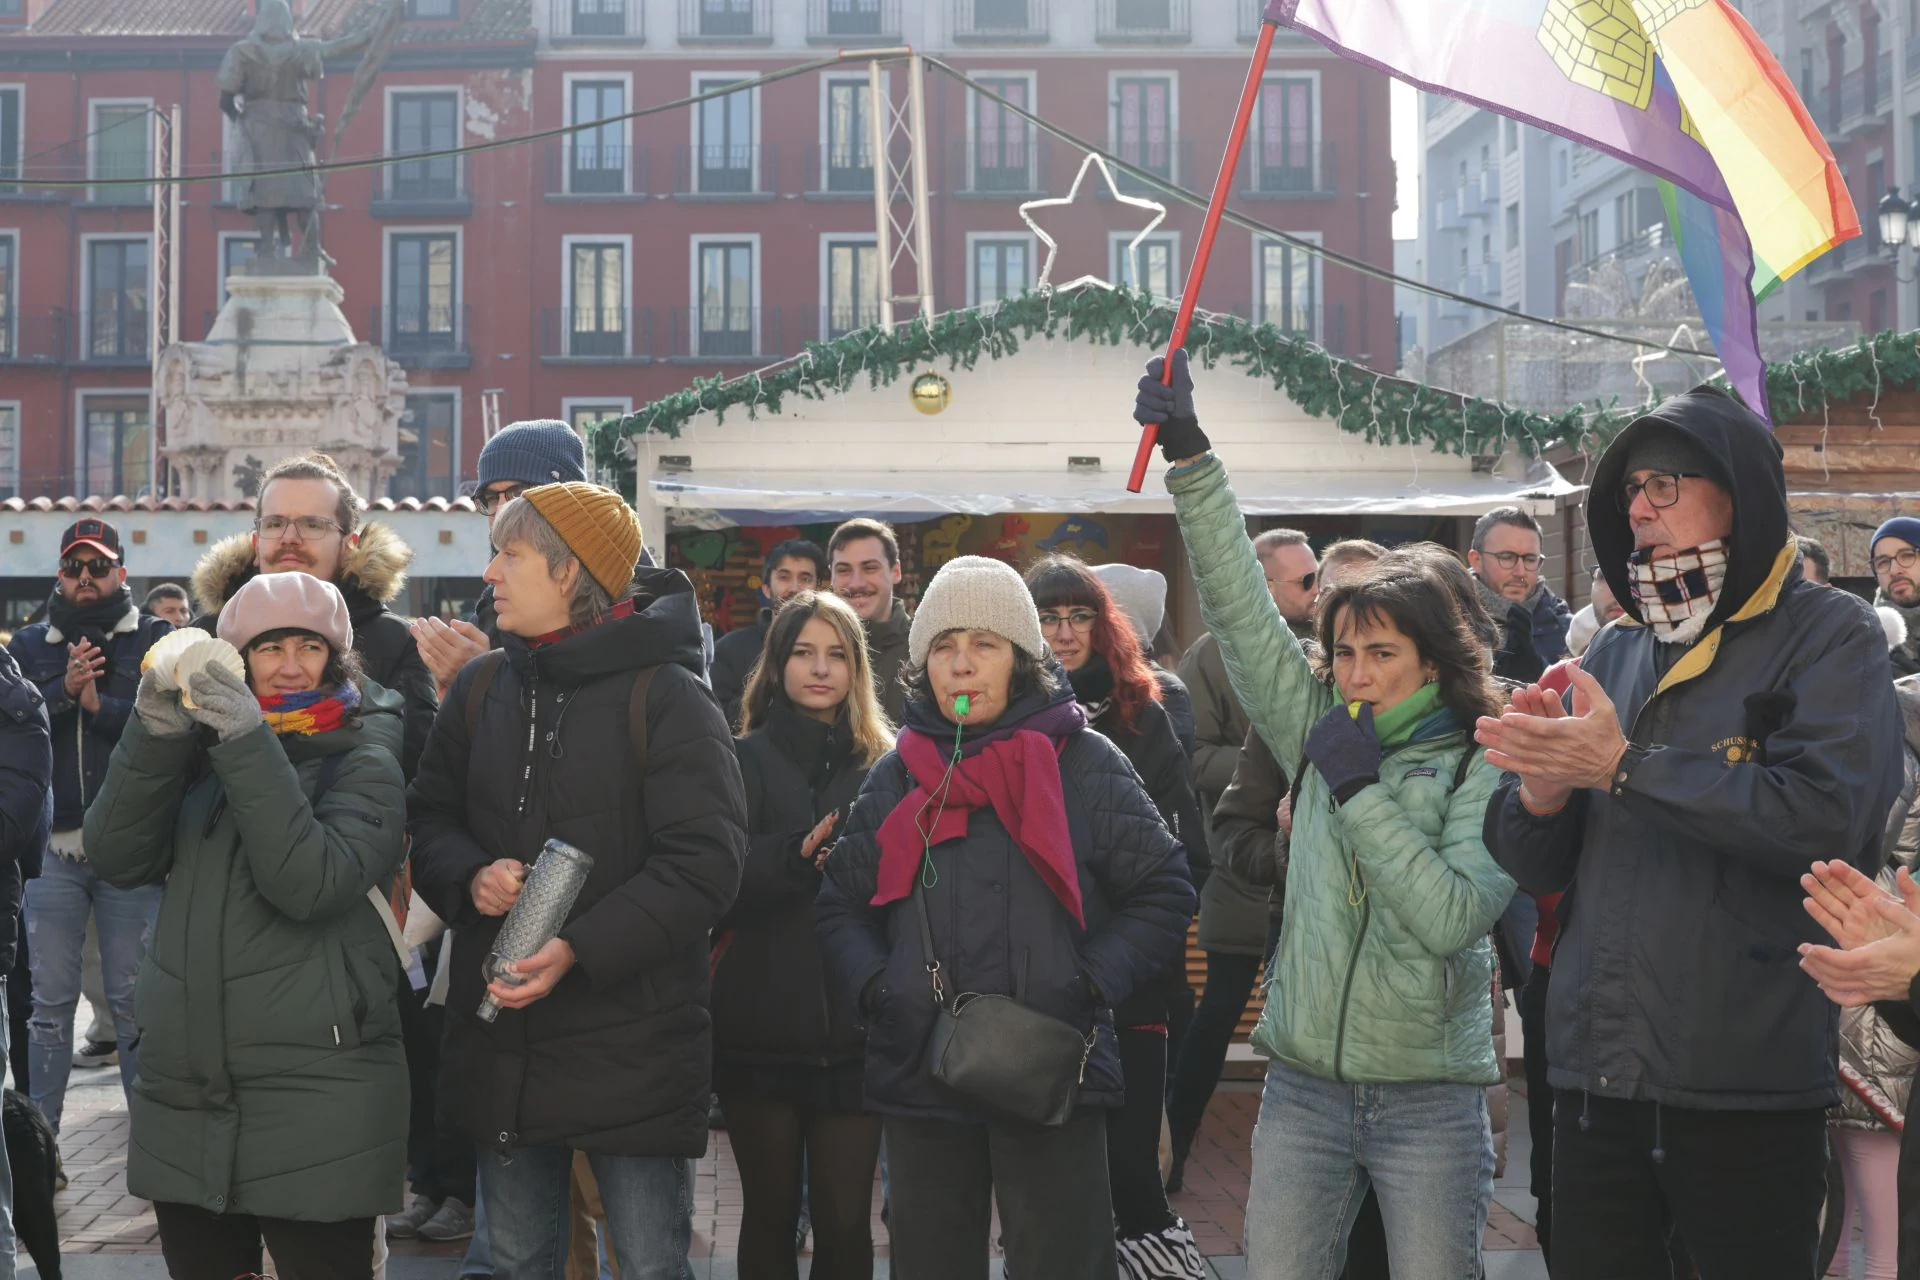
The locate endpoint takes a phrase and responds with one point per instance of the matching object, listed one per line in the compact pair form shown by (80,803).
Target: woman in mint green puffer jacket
(1378,1020)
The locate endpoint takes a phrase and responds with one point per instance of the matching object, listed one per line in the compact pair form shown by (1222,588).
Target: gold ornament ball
(931,393)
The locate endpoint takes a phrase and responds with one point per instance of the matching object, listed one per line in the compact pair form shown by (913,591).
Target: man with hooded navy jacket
(1737,725)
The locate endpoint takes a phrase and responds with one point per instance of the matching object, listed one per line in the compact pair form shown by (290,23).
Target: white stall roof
(699,498)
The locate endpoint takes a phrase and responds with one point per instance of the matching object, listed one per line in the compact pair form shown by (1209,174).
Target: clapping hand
(1878,935)
(1554,751)
(447,646)
(85,665)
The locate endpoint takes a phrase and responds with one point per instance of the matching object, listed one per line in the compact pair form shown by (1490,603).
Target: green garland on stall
(1813,383)
(1382,408)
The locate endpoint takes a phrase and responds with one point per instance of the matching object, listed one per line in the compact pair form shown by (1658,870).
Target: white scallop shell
(211,651)
(166,652)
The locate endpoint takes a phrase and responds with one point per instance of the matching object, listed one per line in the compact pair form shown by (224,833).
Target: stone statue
(263,90)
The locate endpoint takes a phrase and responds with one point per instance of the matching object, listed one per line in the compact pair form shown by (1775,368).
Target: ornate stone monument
(282,372)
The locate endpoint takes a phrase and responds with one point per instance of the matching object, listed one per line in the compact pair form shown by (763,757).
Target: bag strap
(329,773)
(477,691)
(1466,763)
(926,940)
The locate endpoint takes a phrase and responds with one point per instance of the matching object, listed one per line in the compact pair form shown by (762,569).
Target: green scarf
(1397,724)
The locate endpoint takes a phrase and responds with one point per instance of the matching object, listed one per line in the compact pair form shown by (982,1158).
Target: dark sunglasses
(98,567)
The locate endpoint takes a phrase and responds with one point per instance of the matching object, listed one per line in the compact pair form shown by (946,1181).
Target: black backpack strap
(477,691)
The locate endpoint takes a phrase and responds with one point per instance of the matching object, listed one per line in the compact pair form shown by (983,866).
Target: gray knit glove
(160,710)
(222,702)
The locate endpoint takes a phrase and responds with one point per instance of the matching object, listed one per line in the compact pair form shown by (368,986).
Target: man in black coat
(1738,723)
(85,661)
(793,566)
(307,518)
(604,1045)
(26,816)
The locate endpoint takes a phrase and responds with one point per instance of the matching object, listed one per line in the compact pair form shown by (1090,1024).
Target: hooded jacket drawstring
(1659,1148)
(1586,1110)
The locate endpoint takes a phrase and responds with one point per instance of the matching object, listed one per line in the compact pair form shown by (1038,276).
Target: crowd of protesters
(908,891)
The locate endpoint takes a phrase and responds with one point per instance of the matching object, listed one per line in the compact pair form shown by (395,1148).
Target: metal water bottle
(552,884)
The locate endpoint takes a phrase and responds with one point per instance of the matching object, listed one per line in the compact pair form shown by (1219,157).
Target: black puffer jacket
(1772,740)
(83,741)
(26,793)
(617,1058)
(771,1004)
(997,929)
(733,657)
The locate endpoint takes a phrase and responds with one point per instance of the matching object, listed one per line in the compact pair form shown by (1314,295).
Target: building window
(597,319)
(9,451)
(849,145)
(1287,133)
(1002,15)
(1001,269)
(116,323)
(1560,166)
(1510,136)
(726,316)
(1156,265)
(600,17)
(1589,236)
(1289,288)
(9,8)
(853,286)
(9,137)
(726,18)
(427,458)
(423,292)
(433,8)
(235,253)
(1513,227)
(424,122)
(113,446)
(1002,141)
(597,161)
(118,148)
(9,341)
(855,18)
(725,154)
(1143,123)
(584,415)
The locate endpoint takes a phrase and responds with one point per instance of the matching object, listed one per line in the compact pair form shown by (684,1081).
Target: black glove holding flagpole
(1168,405)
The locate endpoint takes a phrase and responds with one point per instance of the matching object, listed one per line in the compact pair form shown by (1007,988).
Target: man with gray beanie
(519,457)
(1735,726)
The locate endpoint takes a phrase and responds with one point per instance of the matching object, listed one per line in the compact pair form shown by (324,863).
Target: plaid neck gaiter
(1676,593)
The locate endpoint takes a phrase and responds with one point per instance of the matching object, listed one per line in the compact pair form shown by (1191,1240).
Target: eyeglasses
(1304,582)
(491,500)
(1662,490)
(310,527)
(98,567)
(1532,559)
(1078,619)
(1905,557)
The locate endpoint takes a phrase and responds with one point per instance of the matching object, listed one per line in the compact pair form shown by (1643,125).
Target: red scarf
(1018,775)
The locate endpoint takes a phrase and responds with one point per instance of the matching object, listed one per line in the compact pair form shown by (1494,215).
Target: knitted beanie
(1141,595)
(1670,452)
(275,601)
(597,525)
(973,593)
(1905,528)
(538,452)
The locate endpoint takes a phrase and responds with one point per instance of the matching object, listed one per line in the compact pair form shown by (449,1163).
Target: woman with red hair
(1112,681)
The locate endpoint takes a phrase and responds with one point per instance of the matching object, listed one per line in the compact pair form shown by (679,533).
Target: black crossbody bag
(999,1054)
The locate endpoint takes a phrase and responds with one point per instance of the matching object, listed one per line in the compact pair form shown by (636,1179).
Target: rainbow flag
(1683,89)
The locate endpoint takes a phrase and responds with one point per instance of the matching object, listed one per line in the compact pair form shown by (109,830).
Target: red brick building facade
(588,274)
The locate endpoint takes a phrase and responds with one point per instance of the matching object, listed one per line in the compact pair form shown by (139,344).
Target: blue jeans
(57,906)
(1427,1149)
(648,1199)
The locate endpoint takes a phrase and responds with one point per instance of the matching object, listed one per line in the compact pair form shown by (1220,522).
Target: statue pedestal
(280,374)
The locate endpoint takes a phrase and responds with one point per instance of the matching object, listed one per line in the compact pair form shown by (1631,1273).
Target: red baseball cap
(91,531)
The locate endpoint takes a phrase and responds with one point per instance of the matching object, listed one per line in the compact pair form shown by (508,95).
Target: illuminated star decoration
(1094,159)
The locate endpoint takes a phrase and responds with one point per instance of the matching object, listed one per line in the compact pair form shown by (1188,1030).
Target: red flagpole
(1203,251)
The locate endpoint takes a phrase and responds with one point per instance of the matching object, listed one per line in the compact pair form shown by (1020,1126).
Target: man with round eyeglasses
(1733,729)
(1506,558)
(85,659)
(1895,559)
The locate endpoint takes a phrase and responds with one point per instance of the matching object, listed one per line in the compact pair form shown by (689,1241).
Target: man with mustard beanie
(592,725)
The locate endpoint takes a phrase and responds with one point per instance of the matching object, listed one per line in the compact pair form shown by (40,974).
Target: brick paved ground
(97,1216)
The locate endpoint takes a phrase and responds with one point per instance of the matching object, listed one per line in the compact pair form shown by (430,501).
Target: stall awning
(792,497)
